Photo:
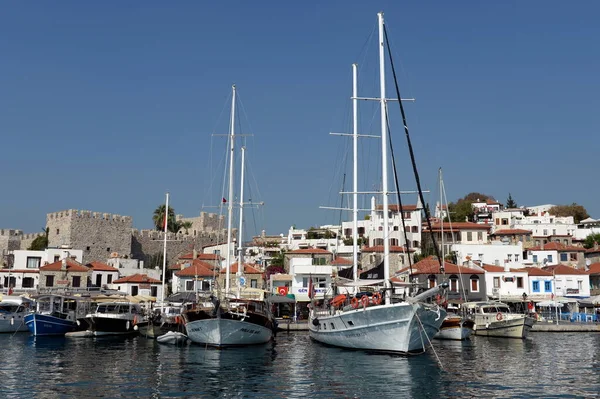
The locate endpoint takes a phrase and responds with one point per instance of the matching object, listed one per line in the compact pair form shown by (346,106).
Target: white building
(102,274)
(129,267)
(302,270)
(585,228)
(570,282)
(138,284)
(504,283)
(555,253)
(541,284)
(496,253)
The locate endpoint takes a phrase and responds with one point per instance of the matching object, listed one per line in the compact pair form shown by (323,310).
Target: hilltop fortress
(101,235)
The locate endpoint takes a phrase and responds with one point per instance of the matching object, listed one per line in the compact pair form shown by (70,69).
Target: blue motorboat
(58,315)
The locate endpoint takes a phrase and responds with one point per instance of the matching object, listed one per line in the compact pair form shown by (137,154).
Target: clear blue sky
(106,105)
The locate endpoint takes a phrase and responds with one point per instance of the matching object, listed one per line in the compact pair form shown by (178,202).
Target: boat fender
(315,322)
(499,316)
(136,328)
(127,325)
(354,303)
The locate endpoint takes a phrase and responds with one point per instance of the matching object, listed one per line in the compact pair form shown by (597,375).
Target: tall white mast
(164,269)
(240,270)
(441,214)
(355,170)
(384,162)
(230,199)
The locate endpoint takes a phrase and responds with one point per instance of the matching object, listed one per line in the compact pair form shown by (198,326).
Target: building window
(573,257)
(395,228)
(33,262)
(109,278)
(534,258)
(154,291)
(548,286)
(98,280)
(134,290)
(378,241)
(545,233)
(553,232)
(496,282)
(549,258)
(414,229)
(56,258)
(563,257)
(474,283)
(415,244)
(509,257)
(107,249)
(189,285)
(431,281)
(497,221)
(504,221)
(254,283)
(49,281)
(393,242)
(28,282)
(516,257)
(480,235)
(580,285)
(469,236)
(76,281)
(536,286)
(454,283)
(87,248)
(57,231)
(519,282)
(319,261)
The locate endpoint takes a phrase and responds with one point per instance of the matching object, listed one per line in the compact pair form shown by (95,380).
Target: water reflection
(544,365)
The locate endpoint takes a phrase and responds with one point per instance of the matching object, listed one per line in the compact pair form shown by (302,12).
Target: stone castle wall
(27,239)
(206,223)
(9,241)
(147,245)
(97,234)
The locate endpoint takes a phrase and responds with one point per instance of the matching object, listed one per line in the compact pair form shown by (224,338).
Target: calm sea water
(545,365)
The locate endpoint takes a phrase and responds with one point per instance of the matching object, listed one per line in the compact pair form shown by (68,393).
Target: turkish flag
(282,290)
(311,292)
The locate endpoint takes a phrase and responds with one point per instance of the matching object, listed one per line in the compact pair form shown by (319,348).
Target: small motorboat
(173,338)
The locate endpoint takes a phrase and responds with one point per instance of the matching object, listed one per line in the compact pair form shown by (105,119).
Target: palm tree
(185,225)
(159,220)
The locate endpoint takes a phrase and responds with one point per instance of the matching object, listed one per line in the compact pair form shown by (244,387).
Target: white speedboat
(13,310)
(172,338)
(455,327)
(114,318)
(494,319)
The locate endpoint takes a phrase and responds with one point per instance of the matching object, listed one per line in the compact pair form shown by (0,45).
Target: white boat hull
(172,337)
(517,326)
(221,332)
(12,323)
(400,328)
(456,328)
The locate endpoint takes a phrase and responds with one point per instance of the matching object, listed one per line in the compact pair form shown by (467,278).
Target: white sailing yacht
(230,320)
(377,322)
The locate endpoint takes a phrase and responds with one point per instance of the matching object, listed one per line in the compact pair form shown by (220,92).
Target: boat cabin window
(8,308)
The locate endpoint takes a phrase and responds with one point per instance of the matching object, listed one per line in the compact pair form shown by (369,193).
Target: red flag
(311,292)
(10,291)
(165,223)
(224,200)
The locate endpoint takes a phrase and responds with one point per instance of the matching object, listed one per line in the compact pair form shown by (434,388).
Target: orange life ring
(354,302)
(377,298)
(338,300)
(365,300)
(499,316)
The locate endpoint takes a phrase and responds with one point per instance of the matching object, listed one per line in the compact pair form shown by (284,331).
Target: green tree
(511,203)
(279,259)
(577,211)
(462,210)
(591,240)
(40,243)
(159,220)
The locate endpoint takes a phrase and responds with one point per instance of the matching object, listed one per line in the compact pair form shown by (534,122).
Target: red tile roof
(248,269)
(535,271)
(431,265)
(499,269)
(198,268)
(507,232)
(564,270)
(201,256)
(101,267)
(379,248)
(339,261)
(72,266)
(137,279)
(310,251)
(556,246)
(395,207)
(177,266)
(457,226)
(594,268)
(592,250)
